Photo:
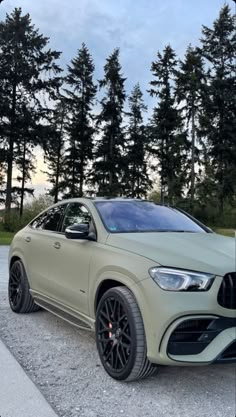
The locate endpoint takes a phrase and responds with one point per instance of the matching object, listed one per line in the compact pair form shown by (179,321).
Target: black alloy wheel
(15,287)
(120,336)
(19,296)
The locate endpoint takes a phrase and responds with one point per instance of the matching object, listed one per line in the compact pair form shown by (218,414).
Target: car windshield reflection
(144,216)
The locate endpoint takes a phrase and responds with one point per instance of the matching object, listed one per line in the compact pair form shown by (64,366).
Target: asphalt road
(63,362)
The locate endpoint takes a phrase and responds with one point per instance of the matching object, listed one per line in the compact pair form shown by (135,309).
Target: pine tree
(190,80)
(109,161)
(79,101)
(54,151)
(218,122)
(28,70)
(136,179)
(169,142)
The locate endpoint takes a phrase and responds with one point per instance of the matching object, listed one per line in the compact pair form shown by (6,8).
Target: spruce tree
(218,121)
(169,141)
(109,162)
(136,179)
(80,128)
(190,81)
(54,151)
(28,70)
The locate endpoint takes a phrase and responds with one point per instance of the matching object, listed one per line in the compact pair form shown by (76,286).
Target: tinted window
(38,223)
(76,213)
(50,220)
(54,217)
(143,216)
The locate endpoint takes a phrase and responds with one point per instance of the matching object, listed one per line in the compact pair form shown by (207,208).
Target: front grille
(227,291)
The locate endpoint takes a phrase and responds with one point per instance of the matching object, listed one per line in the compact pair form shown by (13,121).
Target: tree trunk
(162,171)
(10,153)
(81,180)
(58,162)
(193,160)
(110,170)
(23,180)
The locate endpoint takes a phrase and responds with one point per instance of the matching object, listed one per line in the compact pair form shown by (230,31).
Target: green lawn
(6,238)
(226,232)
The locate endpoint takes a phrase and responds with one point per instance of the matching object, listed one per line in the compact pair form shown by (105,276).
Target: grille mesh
(227,291)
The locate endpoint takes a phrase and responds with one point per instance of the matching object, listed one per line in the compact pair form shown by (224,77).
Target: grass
(225,232)
(6,238)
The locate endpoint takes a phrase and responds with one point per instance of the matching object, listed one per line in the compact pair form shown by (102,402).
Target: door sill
(65,313)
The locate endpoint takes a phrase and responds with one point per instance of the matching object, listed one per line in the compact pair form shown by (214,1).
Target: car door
(35,253)
(70,261)
(37,241)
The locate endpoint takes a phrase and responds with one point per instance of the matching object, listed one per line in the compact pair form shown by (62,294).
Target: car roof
(110,199)
(103,199)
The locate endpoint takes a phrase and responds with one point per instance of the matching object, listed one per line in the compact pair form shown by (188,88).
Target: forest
(98,140)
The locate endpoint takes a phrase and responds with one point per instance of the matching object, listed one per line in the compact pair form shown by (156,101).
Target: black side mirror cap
(77,231)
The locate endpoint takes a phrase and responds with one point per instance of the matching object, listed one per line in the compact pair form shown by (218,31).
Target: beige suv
(156,285)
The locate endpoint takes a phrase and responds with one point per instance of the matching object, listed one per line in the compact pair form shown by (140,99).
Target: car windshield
(144,216)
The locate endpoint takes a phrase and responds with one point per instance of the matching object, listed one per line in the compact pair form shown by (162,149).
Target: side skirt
(64,312)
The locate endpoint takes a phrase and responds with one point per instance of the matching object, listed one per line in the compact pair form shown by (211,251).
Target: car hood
(205,252)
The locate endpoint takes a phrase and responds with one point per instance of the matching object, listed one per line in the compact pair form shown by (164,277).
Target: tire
(120,336)
(19,296)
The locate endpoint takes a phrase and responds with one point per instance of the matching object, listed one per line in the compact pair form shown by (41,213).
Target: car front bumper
(184,328)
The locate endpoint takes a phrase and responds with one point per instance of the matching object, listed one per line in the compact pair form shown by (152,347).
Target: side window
(38,223)
(54,217)
(76,213)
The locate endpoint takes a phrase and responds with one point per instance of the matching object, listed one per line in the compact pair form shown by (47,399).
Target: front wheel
(120,336)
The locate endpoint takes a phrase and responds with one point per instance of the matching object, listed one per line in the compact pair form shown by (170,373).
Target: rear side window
(50,220)
(76,213)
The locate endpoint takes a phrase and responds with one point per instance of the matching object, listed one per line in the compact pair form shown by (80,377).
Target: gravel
(63,362)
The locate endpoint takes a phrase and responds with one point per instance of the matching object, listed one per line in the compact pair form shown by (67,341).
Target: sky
(139,28)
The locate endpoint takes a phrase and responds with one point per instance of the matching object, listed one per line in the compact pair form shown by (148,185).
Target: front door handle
(28,239)
(56,245)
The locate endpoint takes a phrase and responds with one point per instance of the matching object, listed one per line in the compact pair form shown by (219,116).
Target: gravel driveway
(64,364)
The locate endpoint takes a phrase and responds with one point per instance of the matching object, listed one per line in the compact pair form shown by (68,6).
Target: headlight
(179,280)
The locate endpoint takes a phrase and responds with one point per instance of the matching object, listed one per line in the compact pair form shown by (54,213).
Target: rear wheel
(120,336)
(19,296)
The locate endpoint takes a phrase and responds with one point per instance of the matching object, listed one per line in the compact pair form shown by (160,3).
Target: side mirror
(77,231)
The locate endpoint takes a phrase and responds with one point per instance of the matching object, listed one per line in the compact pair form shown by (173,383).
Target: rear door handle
(56,245)
(28,239)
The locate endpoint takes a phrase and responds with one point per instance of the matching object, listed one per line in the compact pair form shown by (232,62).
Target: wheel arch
(104,286)
(13,259)
(18,255)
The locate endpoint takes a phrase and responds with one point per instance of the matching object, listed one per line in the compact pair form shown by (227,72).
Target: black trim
(192,336)
(228,355)
(227,293)
(211,316)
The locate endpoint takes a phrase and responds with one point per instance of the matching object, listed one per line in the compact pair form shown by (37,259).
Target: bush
(14,222)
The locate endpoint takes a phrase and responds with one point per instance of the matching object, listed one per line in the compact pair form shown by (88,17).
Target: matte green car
(156,285)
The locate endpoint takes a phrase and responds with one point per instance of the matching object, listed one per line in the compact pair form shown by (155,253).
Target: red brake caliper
(110,327)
